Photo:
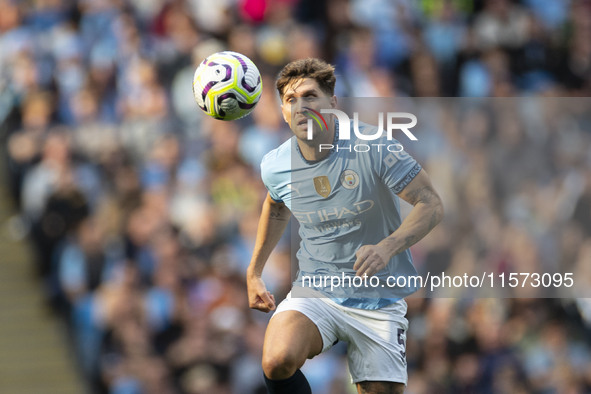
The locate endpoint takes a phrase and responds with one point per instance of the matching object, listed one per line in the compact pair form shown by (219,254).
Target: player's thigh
(380,388)
(291,336)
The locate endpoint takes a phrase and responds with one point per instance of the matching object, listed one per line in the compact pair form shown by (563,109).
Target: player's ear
(333,101)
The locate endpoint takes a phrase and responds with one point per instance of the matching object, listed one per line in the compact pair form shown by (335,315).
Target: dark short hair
(316,69)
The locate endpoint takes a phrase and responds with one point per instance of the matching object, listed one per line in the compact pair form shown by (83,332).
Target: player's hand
(370,260)
(258,296)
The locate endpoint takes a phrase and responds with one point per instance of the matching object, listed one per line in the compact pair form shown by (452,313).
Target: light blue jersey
(343,202)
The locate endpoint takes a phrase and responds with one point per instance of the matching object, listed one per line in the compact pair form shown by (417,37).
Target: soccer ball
(227,85)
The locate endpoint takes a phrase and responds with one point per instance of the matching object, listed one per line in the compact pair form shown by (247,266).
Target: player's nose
(297,106)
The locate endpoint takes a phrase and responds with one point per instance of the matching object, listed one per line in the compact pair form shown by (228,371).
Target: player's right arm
(274,218)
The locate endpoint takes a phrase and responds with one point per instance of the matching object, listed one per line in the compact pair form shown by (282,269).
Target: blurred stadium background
(128,218)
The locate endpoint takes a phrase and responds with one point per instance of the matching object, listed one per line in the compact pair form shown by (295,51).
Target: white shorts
(376,339)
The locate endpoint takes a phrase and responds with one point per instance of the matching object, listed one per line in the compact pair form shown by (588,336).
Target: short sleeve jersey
(342,202)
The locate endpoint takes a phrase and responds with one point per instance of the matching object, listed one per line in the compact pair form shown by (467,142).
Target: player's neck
(311,149)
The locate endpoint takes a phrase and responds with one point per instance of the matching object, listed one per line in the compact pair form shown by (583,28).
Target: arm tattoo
(424,194)
(277,215)
(410,241)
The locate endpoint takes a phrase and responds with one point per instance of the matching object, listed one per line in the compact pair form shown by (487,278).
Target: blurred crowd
(142,211)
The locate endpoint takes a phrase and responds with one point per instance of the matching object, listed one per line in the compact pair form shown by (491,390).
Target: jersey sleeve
(269,179)
(396,169)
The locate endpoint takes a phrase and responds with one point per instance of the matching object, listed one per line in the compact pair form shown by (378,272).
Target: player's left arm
(426,213)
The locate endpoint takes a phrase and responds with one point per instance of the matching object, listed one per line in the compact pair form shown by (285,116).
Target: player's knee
(279,365)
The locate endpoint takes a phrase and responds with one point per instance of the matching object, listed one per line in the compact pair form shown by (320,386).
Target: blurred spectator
(501,24)
(24,145)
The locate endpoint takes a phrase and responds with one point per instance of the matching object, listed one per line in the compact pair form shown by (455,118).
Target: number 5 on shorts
(401,338)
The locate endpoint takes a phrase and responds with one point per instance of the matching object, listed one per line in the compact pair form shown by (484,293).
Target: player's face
(302,100)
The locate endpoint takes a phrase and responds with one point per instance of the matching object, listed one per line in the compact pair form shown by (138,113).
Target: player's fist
(258,296)
(370,260)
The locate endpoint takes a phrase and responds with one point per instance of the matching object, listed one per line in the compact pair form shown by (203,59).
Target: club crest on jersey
(322,185)
(349,179)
